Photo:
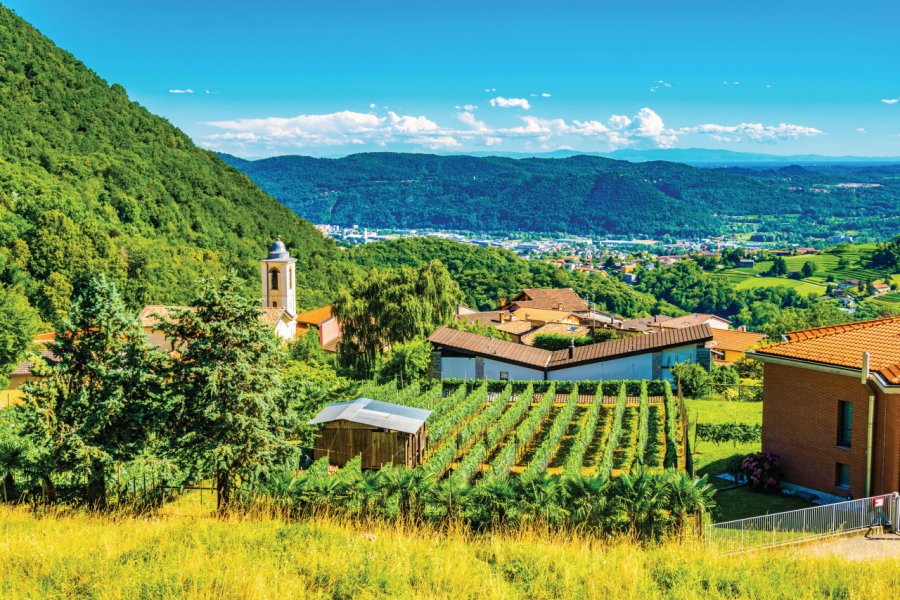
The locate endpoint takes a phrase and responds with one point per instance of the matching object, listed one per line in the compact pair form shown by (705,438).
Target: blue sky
(333,77)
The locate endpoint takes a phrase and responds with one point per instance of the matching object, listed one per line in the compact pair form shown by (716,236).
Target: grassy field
(711,459)
(78,556)
(827,263)
(804,287)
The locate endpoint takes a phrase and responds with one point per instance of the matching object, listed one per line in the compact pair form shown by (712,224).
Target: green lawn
(740,503)
(711,459)
(803,287)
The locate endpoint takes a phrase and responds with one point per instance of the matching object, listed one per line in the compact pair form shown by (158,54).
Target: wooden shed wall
(341,441)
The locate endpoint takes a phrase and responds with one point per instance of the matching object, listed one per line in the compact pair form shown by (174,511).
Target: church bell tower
(279,284)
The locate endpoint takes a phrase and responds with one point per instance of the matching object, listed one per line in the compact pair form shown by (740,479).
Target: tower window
(273,277)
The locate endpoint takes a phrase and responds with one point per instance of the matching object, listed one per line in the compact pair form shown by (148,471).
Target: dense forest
(487,275)
(91,182)
(576,194)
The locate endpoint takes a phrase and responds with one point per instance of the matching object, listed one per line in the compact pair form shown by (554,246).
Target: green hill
(487,275)
(92,182)
(577,194)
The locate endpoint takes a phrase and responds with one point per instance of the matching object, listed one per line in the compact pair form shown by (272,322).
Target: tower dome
(278,251)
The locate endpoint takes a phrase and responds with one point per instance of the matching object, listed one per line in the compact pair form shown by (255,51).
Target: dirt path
(857,547)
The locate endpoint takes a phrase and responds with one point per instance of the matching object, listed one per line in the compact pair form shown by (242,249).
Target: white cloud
(754,132)
(490,90)
(545,95)
(890,100)
(466,107)
(658,84)
(619,122)
(412,125)
(185,91)
(645,128)
(861,130)
(470,120)
(373,106)
(502,102)
(444,142)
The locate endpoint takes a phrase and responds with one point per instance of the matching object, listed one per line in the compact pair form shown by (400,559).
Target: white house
(463,355)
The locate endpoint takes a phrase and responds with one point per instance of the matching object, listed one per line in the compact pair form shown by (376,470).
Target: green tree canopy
(388,306)
(18,325)
(227,415)
(101,400)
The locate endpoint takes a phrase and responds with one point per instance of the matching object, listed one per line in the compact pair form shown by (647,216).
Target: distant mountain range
(716,157)
(579,194)
(703,157)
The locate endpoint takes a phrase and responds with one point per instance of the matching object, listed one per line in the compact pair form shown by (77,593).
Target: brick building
(831,407)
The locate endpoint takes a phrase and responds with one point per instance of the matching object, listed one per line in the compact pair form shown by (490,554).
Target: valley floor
(178,555)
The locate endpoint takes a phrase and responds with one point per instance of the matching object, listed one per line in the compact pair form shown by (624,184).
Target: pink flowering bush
(762,471)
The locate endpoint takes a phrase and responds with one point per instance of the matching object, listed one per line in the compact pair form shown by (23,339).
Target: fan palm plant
(587,500)
(641,498)
(495,503)
(539,497)
(687,496)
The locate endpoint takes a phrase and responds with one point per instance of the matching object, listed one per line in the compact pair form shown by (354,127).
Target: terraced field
(827,264)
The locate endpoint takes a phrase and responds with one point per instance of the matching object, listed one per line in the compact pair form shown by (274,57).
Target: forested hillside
(487,275)
(577,194)
(91,182)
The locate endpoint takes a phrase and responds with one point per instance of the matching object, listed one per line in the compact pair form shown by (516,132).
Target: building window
(842,476)
(845,423)
(274,304)
(504,375)
(273,277)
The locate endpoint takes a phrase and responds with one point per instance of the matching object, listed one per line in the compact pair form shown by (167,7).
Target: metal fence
(805,524)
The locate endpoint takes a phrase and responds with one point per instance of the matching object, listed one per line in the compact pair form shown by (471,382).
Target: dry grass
(81,556)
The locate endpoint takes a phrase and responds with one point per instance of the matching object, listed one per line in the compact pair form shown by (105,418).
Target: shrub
(763,471)
(695,380)
(736,433)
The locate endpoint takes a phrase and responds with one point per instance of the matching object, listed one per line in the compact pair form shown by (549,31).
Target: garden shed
(378,432)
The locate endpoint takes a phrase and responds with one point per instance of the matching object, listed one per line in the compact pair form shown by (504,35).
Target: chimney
(572,348)
(559,306)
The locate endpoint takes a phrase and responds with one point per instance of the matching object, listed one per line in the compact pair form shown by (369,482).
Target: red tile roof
(735,341)
(24,368)
(316,316)
(544,359)
(843,346)
(690,320)
(550,299)
(489,347)
(665,338)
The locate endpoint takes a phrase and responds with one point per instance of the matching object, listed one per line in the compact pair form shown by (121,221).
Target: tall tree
(101,399)
(18,325)
(390,306)
(228,416)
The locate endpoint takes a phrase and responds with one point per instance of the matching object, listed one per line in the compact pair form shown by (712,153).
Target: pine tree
(228,417)
(100,402)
